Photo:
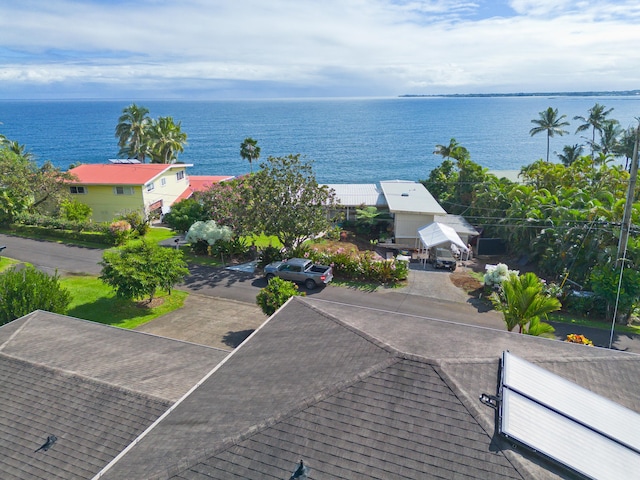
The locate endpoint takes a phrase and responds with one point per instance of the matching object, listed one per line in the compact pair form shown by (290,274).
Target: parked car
(443,258)
(300,270)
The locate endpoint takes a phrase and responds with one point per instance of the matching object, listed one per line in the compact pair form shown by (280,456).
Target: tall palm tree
(453,150)
(626,145)
(523,301)
(595,121)
(132,132)
(249,150)
(609,137)
(550,123)
(570,153)
(166,138)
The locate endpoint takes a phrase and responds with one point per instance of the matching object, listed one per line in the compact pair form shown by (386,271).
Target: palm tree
(522,301)
(626,145)
(249,150)
(166,138)
(453,150)
(550,123)
(132,132)
(609,137)
(570,153)
(595,121)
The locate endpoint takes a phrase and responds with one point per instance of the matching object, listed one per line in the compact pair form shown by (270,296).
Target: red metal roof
(199,183)
(120,174)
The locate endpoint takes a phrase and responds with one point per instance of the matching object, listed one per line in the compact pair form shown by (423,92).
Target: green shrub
(24,290)
(185,213)
(75,211)
(120,231)
(275,294)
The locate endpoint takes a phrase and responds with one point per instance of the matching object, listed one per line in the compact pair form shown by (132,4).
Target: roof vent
(405,194)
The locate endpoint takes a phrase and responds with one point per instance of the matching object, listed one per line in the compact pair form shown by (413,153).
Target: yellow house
(112,189)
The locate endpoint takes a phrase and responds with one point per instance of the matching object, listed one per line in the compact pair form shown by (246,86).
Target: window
(150,187)
(78,190)
(163,182)
(123,190)
(179,174)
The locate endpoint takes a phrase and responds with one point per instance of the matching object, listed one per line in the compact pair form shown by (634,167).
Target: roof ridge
(269,422)
(84,378)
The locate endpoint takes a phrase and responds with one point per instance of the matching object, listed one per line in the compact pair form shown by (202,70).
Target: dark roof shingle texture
(92,421)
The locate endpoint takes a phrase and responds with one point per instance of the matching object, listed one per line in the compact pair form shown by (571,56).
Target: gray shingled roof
(369,395)
(96,388)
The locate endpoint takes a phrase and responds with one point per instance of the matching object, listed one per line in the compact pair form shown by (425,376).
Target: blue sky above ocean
(216,49)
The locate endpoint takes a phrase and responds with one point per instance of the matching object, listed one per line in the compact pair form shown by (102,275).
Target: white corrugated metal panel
(356,194)
(566,441)
(583,430)
(411,197)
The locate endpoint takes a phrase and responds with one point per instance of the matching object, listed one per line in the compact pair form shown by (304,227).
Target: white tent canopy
(436,234)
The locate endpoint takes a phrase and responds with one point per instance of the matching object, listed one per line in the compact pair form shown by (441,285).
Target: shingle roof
(358,394)
(145,363)
(96,388)
(120,174)
(93,421)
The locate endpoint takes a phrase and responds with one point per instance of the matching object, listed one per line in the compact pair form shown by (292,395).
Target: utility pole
(626,218)
(626,226)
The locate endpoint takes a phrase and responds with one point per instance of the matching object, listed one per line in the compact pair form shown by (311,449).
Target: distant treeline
(535,94)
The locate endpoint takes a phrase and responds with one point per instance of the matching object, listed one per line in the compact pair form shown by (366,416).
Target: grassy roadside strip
(567,318)
(95,301)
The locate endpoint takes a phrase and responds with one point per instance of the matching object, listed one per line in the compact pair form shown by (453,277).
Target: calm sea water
(349,140)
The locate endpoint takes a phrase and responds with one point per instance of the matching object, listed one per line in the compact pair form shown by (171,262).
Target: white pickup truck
(300,270)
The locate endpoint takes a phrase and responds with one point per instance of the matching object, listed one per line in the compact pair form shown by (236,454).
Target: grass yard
(95,301)
(563,317)
(158,234)
(7,263)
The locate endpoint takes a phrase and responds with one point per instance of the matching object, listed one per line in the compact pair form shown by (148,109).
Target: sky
(233,49)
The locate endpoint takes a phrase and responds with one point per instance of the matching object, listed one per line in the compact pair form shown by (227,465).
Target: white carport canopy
(436,234)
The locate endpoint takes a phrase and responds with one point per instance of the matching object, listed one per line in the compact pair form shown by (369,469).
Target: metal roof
(410,197)
(356,194)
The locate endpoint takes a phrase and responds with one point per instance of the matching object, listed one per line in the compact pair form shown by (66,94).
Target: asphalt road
(243,287)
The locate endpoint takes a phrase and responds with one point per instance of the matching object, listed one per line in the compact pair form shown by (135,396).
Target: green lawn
(95,301)
(6,263)
(562,317)
(157,234)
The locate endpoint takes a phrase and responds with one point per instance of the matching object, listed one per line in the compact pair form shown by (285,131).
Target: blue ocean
(348,140)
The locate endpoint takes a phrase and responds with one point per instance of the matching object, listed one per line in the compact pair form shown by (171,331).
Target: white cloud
(389,47)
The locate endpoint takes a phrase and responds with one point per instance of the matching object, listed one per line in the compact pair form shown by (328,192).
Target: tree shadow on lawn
(110,311)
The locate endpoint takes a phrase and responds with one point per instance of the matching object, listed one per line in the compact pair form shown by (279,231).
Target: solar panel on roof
(568,423)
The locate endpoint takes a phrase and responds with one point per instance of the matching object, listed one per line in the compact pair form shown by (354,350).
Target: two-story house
(111,189)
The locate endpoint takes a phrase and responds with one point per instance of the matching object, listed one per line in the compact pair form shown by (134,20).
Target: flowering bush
(120,231)
(577,338)
(362,266)
(202,235)
(498,274)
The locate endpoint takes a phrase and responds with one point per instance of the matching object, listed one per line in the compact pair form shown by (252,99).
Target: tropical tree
(132,132)
(570,153)
(139,268)
(549,123)
(626,144)
(522,301)
(453,150)
(287,201)
(19,175)
(594,121)
(249,150)
(609,138)
(165,140)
